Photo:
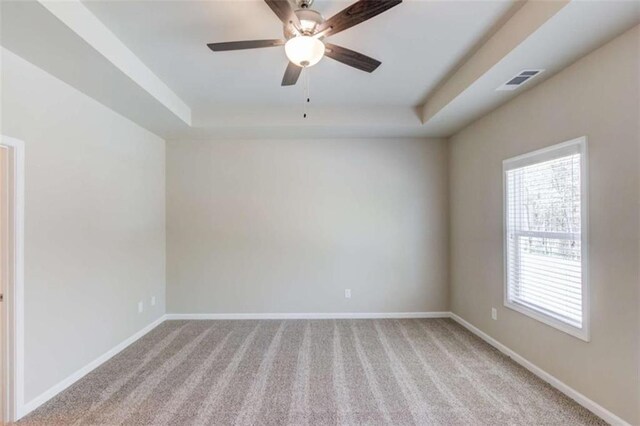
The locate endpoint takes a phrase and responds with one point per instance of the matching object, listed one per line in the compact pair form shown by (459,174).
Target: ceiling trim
(526,21)
(259,116)
(85,24)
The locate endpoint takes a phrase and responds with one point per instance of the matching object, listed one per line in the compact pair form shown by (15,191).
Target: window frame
(578,145)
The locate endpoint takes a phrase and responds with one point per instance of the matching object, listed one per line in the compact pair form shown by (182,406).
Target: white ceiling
(418,42)
(441,62)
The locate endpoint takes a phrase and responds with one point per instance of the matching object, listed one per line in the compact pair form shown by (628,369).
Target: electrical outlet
(347,293)
(494,313)
(140,307)
(153,301)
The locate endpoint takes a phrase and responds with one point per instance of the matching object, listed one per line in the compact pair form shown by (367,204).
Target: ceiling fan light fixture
(304,51)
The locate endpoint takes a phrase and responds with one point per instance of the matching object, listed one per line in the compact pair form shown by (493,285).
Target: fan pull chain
(306,92)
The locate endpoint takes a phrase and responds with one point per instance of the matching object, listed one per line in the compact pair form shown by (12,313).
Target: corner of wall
(450,305)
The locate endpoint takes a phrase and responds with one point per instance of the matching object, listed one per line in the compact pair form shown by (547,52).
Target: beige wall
(598,97)
(287,225)
(94,223)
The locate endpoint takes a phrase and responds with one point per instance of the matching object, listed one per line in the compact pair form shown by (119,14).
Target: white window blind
(544,235)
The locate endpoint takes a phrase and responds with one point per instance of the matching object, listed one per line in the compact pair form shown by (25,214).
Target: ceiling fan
(305,30)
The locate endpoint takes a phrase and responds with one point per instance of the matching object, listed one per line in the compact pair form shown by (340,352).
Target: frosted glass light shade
(304,51)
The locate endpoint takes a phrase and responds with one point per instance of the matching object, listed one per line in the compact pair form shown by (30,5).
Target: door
(11,278)
(4,210)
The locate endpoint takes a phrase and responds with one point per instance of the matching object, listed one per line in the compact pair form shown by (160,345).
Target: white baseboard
(328,315)
(69,380)
(587,403)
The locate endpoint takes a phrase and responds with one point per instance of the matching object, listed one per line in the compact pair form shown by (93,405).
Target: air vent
(520,79)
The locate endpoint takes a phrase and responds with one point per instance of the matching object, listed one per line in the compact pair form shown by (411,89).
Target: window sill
(580,333)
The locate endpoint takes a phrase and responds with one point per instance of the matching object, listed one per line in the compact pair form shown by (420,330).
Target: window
(545,245)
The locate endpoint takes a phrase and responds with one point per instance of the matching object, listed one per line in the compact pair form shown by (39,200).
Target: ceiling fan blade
(351,58)
(284,11)
(291,74)
(355,14)
(239,45)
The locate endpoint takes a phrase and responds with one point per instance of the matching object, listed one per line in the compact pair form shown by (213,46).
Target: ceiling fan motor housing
(309,21)
(303,4)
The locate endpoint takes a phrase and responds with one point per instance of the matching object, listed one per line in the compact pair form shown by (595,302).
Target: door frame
(13,309)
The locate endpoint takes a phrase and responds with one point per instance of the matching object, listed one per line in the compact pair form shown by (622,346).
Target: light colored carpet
(316,372)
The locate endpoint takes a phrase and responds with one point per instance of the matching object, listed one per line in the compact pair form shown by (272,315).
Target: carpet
(310,372)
